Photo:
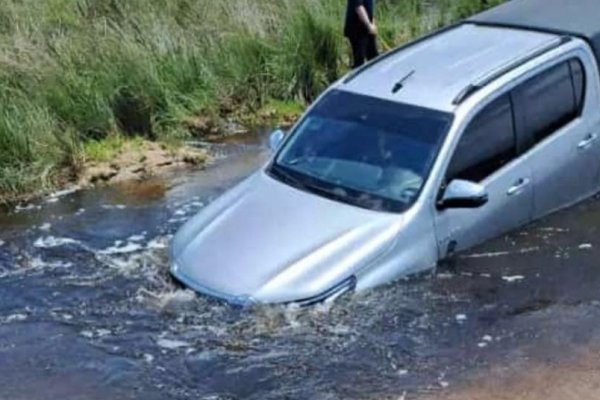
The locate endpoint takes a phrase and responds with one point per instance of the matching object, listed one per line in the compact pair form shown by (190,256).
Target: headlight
(335,292)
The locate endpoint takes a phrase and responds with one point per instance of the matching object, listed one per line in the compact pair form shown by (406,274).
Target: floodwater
(88,311)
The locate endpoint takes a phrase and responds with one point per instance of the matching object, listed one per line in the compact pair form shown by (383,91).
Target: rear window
(550,100)
(536,109)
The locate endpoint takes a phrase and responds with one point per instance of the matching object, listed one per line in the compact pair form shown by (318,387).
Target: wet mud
(88,310)
(568,377)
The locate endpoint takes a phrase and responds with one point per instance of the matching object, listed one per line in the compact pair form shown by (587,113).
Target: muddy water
(88,311)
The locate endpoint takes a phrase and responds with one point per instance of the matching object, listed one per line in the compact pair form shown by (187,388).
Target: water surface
(88,310)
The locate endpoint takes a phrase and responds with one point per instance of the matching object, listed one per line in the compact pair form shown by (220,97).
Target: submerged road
(88,311)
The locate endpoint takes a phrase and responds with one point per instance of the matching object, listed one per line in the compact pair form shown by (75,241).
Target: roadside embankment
(75,74)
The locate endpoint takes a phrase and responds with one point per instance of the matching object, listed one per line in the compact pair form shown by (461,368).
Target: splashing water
(90,300)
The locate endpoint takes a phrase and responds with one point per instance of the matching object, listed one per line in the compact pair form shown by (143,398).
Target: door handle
(587,142)
(518,187)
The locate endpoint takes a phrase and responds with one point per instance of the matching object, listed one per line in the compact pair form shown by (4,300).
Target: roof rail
(354,74)
(514,64)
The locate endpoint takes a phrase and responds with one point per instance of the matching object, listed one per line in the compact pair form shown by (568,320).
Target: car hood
(270,242)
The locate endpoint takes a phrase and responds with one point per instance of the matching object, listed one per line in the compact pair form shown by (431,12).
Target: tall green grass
(78,70)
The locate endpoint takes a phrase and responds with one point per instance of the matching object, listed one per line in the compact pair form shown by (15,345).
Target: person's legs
(371,47)
(359,50)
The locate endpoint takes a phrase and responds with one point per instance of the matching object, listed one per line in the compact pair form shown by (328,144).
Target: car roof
(576,18)
(439,68)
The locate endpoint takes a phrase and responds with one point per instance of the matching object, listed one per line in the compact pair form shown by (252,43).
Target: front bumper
(241,301)
(332,294)
(349,285)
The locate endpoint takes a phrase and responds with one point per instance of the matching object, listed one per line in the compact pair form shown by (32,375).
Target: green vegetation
(76,72)
(108,149)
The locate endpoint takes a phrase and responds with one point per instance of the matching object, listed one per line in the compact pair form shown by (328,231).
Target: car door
(487,154)
(564,147)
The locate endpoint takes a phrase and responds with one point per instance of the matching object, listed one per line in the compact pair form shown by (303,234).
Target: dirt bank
(139,162)
(140,159)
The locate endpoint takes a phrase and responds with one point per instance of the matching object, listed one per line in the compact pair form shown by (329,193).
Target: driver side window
(487,144)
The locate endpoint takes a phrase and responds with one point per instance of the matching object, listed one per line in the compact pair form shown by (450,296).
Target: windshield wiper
(338,193)
(281,173)
(350,196)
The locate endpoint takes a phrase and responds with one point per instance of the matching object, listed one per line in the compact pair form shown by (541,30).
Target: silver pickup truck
(430,149)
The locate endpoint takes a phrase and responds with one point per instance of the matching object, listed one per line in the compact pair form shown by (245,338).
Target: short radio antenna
(400,84)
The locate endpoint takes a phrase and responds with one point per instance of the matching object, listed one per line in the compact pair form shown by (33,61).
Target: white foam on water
(460,318)
(39,263)
(2,243)
(551,229)
(136,238)
(53,198)
(341,330)
(114,206)
(34,264)
(28,207)
(585,246)
(50,242)
(513,279)
(528,250)
(171,344)
(488,255)
(204,355)
(118,248)
(95,333)
(18,317)
(63,316)
(268,355)
(157,244)
(268,319)
(133,258)
(165,300)
(45,227)
(103,332)
(502,253)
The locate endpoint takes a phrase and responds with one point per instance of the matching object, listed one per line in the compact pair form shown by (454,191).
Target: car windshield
(365,151)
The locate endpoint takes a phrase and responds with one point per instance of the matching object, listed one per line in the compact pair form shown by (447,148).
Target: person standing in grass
(361,31)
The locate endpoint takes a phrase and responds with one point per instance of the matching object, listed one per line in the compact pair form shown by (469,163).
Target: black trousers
(364,48)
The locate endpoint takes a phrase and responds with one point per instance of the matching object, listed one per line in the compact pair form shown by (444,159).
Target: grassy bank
(76,71)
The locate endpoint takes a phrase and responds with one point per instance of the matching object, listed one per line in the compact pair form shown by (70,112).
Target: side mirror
(463,194)
(275,139)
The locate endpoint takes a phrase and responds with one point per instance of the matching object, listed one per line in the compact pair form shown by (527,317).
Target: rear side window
(487,144)
(549,101)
